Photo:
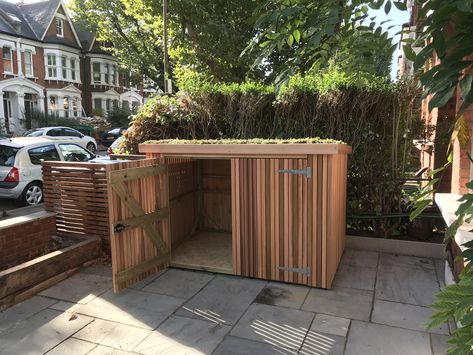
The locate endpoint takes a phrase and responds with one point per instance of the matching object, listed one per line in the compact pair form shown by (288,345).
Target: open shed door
(139,218)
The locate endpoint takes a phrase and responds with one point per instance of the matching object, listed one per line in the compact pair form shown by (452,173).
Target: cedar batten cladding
(282,205)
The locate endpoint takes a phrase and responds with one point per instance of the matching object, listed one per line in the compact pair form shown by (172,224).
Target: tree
(207,36)
(310,33)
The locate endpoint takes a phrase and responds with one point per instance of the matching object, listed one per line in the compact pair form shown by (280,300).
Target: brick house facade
(50,66)
(433,154)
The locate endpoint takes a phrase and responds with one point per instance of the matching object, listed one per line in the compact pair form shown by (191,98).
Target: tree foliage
(204,36)
(311,33)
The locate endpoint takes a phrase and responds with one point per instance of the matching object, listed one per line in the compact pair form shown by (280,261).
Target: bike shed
(269,211)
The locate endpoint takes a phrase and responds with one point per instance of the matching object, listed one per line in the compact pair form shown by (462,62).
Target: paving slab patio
(377,306)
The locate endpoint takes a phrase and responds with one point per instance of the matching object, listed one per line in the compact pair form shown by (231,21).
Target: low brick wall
(19,236)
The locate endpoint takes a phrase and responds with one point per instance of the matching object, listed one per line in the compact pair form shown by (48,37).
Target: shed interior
(201,214)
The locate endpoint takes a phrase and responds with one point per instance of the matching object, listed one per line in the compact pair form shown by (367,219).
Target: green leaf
(409,52)
(441,98)
(297,35)
(387,7)
(401,5)
(465,85)
(290,40)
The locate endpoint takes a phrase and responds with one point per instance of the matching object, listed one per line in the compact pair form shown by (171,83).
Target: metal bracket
(307,172)
(118,228)
(305,270)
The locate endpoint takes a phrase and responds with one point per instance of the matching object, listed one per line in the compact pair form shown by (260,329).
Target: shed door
(139,217)
(271,204)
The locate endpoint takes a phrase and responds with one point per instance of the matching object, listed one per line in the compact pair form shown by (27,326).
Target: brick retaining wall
(20,236)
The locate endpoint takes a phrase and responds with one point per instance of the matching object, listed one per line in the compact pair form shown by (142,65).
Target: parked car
(20,164)
(74,135)
(115,146)
(111,135)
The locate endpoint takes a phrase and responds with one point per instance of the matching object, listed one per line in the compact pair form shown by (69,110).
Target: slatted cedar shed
(269,211)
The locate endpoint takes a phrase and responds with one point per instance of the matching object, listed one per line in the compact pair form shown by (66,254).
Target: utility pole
(167,81)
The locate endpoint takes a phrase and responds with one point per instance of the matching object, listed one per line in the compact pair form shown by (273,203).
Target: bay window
(107,72)
(96,73)
(28,63)
(64,67)
(7,60)
(51,66)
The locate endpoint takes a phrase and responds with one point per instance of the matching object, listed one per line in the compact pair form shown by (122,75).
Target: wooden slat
(142,267)
(145,219)
(124,175)
(127,198)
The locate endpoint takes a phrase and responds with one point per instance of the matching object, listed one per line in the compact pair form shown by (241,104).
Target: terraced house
(49,66)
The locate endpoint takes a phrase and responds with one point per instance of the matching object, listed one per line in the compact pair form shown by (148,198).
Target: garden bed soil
(24,280)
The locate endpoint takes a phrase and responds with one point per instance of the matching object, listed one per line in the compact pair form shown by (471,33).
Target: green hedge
(376,118)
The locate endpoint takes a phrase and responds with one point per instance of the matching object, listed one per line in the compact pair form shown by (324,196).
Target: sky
(396,18)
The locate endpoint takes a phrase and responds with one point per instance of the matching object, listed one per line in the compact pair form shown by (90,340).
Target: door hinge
(307,172)
(305,270)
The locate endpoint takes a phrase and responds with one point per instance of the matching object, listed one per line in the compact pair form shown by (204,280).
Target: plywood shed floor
(209,251)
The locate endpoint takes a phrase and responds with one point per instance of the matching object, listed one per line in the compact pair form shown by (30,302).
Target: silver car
(72,134)
(20,165)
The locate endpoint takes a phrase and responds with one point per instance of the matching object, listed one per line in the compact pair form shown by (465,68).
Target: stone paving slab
(181,335)
(326,324)
(386,261)
(439,344)
(72,346)
(341,302)
(79,288)
(104,350)
(140,309)
(323,344)
(284,295)
(223,300)
(120,336)
(375,339)
(179,283)
(21,311)
(282,327)
(404,316)
(359,277)
(40,333)
(360,258)
(411,285)
(237,346)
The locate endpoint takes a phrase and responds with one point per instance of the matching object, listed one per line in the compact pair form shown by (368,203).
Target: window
(59,27)
(43,153)
(108,104)
(28,63)
(97,103)
(55,132)
(69,132)
(64,67)
(7,155)
(113,75)
(7,60)
(75,106)
(74,75)
(66,106)
(96,72)
(35,132)
(51,66)
(72,152)
(107,73)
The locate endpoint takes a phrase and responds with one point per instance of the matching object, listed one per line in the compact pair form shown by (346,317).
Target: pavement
(378,305)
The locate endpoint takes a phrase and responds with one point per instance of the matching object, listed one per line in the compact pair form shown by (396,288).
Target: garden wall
(21,236)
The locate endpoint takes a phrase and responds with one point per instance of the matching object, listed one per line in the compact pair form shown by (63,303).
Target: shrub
(376,118)
(119,116)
